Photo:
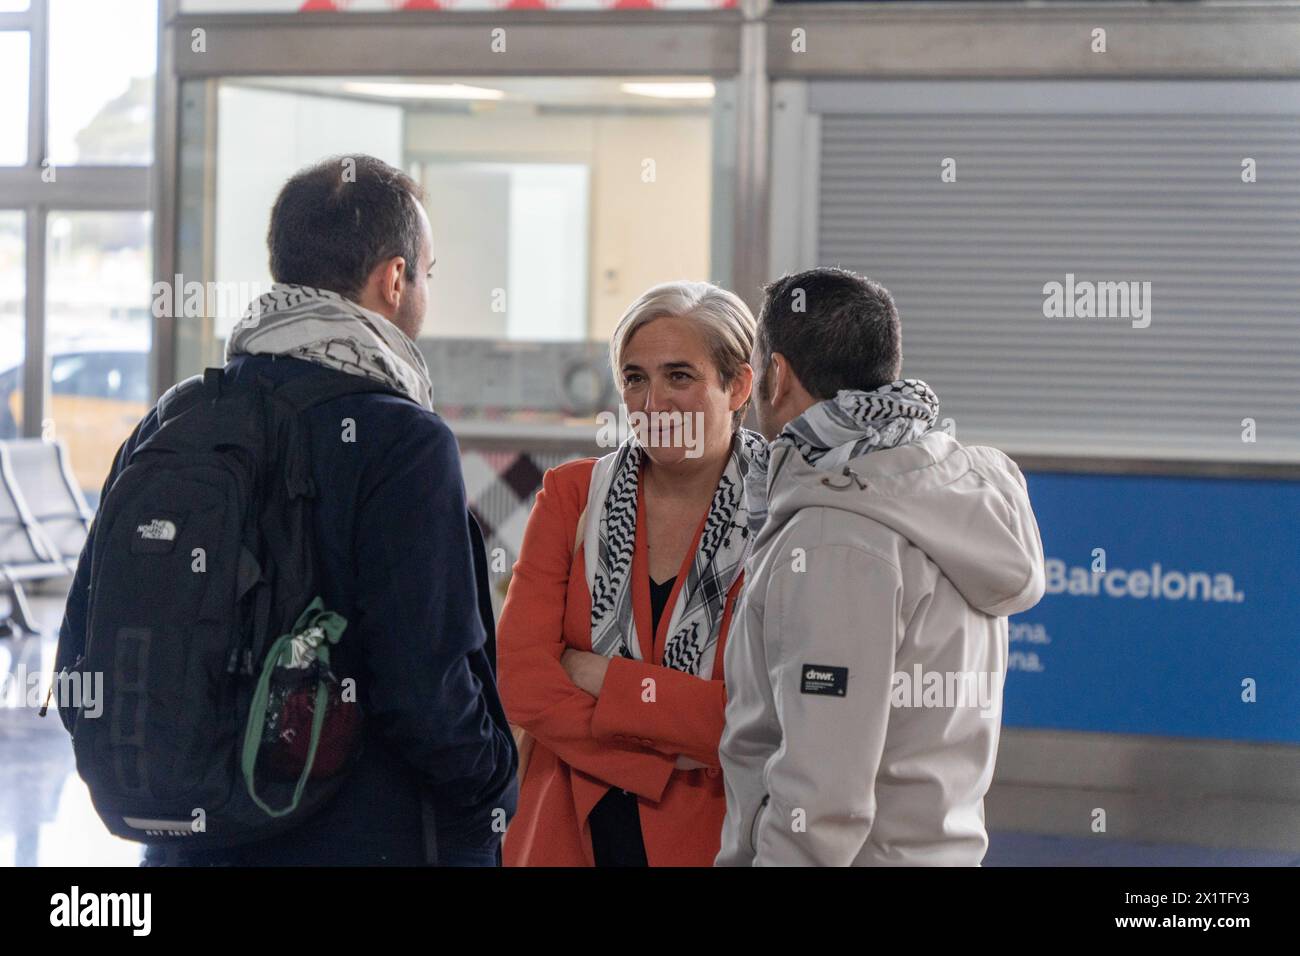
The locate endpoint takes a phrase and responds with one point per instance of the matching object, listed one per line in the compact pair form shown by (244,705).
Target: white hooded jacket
(905,563)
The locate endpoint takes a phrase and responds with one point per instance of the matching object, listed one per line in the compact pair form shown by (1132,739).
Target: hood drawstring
(854,478)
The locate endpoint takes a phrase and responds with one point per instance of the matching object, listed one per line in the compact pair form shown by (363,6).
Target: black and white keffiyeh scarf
(610,535)
(320,326)
(835,431)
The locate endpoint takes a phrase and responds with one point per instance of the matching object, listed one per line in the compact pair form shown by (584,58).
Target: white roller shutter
(1116,181)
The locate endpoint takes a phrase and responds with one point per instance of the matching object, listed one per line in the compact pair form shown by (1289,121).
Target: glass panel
(103,55)
(13,297)
(555,202)
(98,332)
(14,6)
(640,150)
(517,227)
(14,80)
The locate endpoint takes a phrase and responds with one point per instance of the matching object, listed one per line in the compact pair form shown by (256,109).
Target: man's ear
(742,386)
(778,379)
(387,281)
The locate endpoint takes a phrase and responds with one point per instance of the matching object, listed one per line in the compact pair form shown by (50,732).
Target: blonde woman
(611,638)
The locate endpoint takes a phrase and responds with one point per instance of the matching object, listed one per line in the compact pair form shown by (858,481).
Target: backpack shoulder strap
(180,397)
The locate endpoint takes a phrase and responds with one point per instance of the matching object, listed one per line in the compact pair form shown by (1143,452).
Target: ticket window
(554,203)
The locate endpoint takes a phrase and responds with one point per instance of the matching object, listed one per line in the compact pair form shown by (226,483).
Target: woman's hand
(585,669)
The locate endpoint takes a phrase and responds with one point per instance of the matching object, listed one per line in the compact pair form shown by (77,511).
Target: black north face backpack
(220,721)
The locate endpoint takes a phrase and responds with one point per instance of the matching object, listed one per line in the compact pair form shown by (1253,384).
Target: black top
(659,600)
(615,820)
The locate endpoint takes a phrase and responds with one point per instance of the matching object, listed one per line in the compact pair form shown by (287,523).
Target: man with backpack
(283,587)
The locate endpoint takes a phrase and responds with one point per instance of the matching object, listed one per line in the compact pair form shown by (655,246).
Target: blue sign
(1172,609)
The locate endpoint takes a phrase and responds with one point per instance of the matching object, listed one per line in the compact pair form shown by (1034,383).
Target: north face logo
(159,529)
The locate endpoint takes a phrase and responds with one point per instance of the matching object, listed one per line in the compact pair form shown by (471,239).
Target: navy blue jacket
(402,559)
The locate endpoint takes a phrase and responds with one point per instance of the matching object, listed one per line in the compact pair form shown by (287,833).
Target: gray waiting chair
(26,554)
(45,483)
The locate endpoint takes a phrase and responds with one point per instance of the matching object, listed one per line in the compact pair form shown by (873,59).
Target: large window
(14,70)
(12,309)
(76,264)
(98,269)
(102,59)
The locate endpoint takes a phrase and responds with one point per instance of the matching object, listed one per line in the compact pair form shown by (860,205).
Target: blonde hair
(724,319)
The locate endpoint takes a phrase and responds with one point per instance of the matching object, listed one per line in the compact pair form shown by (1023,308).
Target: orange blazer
(584,745)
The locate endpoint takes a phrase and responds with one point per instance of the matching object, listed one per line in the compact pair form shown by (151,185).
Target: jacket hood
(966,508)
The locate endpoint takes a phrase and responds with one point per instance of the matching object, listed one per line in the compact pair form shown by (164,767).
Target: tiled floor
(46,818)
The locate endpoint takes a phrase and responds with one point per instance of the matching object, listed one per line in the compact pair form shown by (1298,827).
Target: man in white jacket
(864,681)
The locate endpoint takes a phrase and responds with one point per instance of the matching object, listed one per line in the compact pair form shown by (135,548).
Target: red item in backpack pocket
(288,734)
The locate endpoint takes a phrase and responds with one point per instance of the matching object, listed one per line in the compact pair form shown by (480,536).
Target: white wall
(549,222)
(469,213)
(510,240)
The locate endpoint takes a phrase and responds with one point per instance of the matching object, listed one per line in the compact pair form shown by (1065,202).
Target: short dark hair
(335,221)
(839,330)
